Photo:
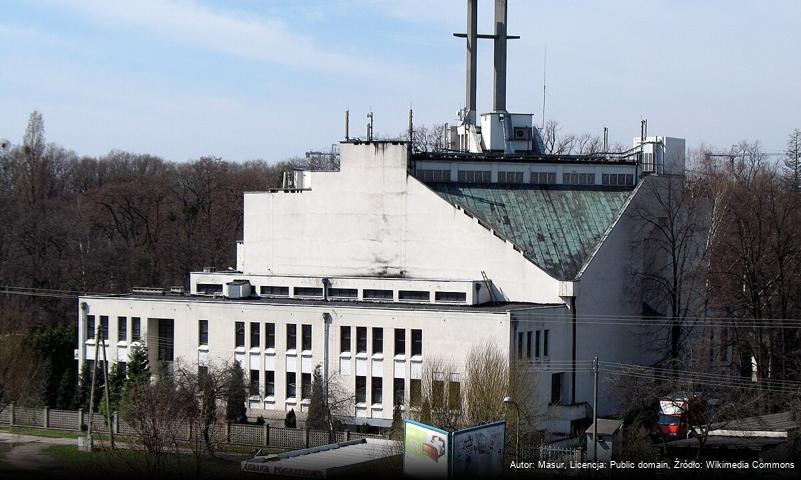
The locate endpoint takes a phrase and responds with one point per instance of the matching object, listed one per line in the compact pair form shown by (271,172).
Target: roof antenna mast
(544,70)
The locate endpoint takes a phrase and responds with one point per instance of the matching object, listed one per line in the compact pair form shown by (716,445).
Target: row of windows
(346,342)
(617,179)
(255,335)
(516,177)
(347,293)
(540,344)
(122,328)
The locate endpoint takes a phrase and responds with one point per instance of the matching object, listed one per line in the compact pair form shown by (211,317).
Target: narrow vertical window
(417,342)
(378,340)
(270,335)
(239,340)
(545,343)
(136,332)
(400,341)
(306,340)
(291,337)
(203,332)
(90,327)
(255,335)
(344,339)
(122,329)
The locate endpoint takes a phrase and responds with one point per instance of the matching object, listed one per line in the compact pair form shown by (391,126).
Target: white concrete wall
(611,291)
(447,335)
(371,218)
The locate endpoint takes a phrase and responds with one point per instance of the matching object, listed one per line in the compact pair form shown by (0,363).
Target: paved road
(26,453)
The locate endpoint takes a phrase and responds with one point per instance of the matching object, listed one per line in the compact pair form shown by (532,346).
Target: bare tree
(330,401)
(674,221)
(792,160)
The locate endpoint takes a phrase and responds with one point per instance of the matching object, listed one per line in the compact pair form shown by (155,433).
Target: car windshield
(668,419)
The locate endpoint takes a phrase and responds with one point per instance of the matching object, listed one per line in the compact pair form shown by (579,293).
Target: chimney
(472,40)
(499,80)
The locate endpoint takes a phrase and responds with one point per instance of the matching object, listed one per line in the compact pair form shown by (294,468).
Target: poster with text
(425,452)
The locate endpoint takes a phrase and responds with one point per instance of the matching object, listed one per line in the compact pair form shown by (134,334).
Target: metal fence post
(265,434)
(305,438)
(115,423)
(11,407)
(347,435)
(227,432)
(46,420)
(80,419)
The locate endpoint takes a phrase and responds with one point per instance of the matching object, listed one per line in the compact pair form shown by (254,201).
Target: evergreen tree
(792,160)
(291,421)
(138,368)
(84,392)
(425,412)
(235,408)
(67,389)
(396,431)
(318,412)
(116,383)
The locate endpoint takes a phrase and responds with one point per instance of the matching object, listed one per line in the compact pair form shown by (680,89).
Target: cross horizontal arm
(486,35)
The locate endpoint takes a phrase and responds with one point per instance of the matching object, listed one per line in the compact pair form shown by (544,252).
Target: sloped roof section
(556,226)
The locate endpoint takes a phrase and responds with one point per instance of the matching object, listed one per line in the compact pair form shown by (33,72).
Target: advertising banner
(425,450)
(477,452)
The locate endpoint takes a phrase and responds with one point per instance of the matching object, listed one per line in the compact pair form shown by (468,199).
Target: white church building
(400,257)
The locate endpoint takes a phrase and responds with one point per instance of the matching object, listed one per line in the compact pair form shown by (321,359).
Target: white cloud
(227,32)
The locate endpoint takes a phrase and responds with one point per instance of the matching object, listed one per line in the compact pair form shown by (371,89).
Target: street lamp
(508,400)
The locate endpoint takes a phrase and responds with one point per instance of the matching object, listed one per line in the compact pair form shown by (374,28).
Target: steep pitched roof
(556,226)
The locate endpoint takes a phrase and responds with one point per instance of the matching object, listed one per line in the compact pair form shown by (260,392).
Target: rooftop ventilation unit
(148,290)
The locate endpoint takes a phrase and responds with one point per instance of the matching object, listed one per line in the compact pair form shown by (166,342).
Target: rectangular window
(270,327)
(543,178)
(273,291)
(417,342)
(344,339)
(475,176)
(414,295)
(361,339)
(290,385)
(510,177)
(209,288)
(254,382)
(438,390)
(415,392)
(377,389)
(556,387)
(428,175)
(343,293)
(90,327)
(305,385)
(122,329)
(269,383)
(306,339)
(136,332)
(309,292)
(202,370)
(545,343)
(528,344)
(255,335)
(166,339)
(378,340)
(104,326)
(451,297)
(519,344)
(239,338)
(454,395)
(291,337)
(398,391)
(203,332)
(372,294)
(537,344)
(400,341)
(361,389)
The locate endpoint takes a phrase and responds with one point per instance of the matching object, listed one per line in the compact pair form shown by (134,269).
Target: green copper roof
(557,227)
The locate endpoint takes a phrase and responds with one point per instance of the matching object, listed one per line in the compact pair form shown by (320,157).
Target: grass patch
(129,463)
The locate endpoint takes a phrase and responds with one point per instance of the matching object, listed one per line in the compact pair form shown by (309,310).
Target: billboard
(477,452)
(425,450)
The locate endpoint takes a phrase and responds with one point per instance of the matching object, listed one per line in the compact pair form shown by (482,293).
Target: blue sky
(247,79)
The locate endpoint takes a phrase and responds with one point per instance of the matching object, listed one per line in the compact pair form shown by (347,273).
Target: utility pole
(595,410)
(108,405)
(98,334)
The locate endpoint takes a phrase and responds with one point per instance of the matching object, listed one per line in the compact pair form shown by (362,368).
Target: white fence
(228,433)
